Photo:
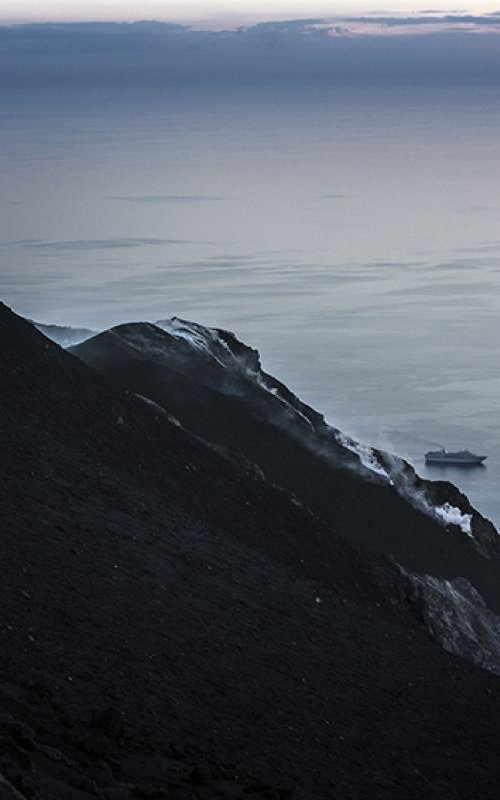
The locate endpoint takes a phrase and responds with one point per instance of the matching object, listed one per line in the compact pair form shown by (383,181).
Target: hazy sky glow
(217,12)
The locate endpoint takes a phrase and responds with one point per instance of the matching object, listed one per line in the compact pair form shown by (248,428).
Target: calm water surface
(352,237)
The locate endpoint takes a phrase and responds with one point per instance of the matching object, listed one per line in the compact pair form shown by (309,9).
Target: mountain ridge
(140,357)
(174,623)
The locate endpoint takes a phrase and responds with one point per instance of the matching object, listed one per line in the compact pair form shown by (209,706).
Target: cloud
(431,19)
(285,26)
(43,30)
(429,22)
(318,27)
(362,50)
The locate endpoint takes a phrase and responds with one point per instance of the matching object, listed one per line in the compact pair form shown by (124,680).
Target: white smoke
(451,515)
(365,454)
(446,514)
(196,336)
(397,475)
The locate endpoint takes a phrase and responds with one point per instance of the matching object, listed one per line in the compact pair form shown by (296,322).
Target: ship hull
(456,462)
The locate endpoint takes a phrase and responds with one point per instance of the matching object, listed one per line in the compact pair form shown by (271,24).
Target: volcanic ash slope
(179,623)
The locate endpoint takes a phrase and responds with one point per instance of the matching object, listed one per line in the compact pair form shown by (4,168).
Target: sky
(216,13)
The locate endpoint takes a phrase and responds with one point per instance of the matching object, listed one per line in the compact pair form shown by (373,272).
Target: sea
(350,235)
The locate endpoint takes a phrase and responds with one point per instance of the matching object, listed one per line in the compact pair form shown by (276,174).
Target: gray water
(352,237)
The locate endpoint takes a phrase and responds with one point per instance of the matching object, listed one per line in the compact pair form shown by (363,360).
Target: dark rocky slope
(215,386)
(172,626)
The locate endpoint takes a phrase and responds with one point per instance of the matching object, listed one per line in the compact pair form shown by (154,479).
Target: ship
(461,458)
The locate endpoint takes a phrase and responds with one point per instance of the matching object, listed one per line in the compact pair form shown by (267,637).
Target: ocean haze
(349,233)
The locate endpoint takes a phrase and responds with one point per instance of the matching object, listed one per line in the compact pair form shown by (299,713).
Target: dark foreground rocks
(173,625)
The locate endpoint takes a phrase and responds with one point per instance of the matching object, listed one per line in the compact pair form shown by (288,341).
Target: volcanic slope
(174,626)
(217,389)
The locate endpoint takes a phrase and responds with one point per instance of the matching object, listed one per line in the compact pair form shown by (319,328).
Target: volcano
(209,592)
